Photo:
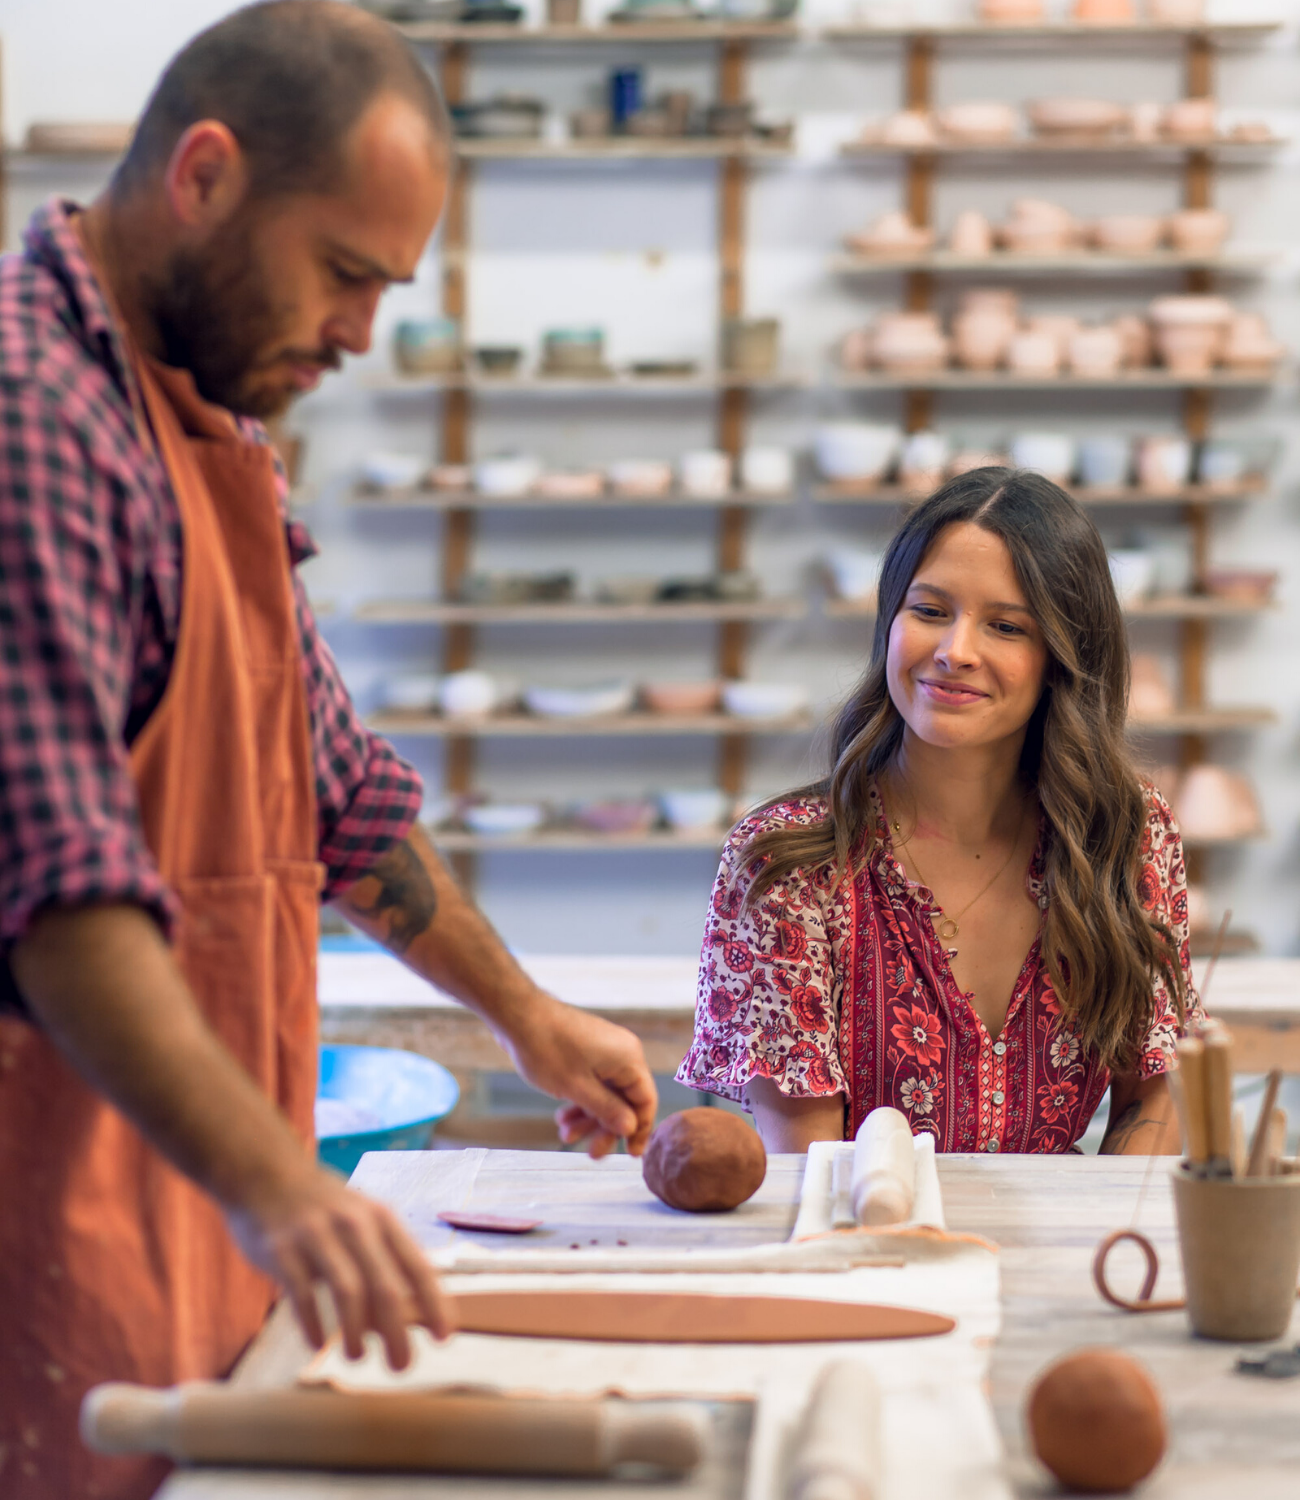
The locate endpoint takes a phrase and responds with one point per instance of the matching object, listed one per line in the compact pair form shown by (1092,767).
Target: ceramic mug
(705,473)
(1104,461)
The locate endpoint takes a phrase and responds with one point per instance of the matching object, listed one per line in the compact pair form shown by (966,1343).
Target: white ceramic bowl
(577,703)
(468,693)
(705,473)
(502,818)
(767,471)
(690,811)
(855,450)
(855,573)
(763,700)
(641,476)
(1133,572)
(514,474)
(417,693)
(1047,453)
(393,471)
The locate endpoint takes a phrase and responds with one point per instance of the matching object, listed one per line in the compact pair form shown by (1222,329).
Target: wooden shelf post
(918,406)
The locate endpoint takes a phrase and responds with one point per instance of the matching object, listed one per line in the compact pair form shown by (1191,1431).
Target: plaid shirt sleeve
(69,825)
(367,796)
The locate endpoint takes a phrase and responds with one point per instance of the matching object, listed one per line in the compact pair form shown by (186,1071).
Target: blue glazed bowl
(394,1098)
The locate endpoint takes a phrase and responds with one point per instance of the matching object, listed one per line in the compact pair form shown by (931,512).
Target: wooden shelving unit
(427,499)
(1196,719)
(531,726)
(619,384)
(622,149)
(434,612)
(1078,263)
(614,34)
(1127,496)
(1005,380)
(1194,607)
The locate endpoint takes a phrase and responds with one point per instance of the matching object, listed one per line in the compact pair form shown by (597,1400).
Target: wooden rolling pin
(837,1454)
(211,1423)
(884,1169)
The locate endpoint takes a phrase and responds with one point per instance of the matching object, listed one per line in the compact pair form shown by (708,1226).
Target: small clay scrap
(1097,1421)
(704,1161)
(1277,1364)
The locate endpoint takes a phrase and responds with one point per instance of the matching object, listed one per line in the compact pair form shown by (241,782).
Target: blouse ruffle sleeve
(768,998)
(1163,889)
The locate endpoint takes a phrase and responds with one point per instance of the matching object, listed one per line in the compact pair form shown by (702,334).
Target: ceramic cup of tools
(1240,1242)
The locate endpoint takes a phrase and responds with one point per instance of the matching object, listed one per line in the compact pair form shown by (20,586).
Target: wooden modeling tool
(1191,1066)
(836,1454)
(210,1423)
(1238,1154)
(1276,1143)
(1218,1099)
(1257,1161)
(686,1318)
(1177,1094)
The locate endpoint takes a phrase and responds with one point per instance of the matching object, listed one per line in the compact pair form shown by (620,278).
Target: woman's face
(966,658)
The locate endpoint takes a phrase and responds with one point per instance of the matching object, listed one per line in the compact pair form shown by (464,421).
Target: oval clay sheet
(688,1318)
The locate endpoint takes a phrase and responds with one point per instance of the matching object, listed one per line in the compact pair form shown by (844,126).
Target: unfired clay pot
(980,339)
(1003,300)
(1060,326)
(972,234)
(1103,12)
(1128,234)
(1011,12)
(892,234)
(1150,694)
(1215,803)
(1164,463)
(1135,340)
(1094,352)
(1250,348)
(1087,118)
(1034,354)
(1176,12)
(1190,331)
(910,343)
(1198,231)
(909,127)
(979,122)
(1190,120)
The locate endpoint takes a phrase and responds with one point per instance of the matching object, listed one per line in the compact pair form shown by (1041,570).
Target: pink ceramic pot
(980,122)
(909,343)
(1250,347)
(1242,585)
(1135,341)
(909,127)
(972,234)
(980,339)
(1128,234)
(1021,238)
(1011,12)
(1150,694)
(1198,231)
(1190,331)
(1190,120)
(1003,301)
(1093,119)
(681,697)
(1094,352)
(1215,803)
(1103,13)
(892,234)
(856,349)
(1034,354)
(1176,12)
(1060,326)
(1164,464)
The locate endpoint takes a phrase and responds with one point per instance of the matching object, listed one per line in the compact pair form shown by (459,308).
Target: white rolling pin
(207,1422)
(837,1454)
(884,1169)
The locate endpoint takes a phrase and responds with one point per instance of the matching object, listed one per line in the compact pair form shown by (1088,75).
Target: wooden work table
(1231,1436)
(369,997)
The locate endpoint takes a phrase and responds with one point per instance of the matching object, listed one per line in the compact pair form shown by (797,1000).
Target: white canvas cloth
(815,1196)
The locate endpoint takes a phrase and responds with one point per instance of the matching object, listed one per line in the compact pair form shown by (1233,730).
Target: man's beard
(216,319)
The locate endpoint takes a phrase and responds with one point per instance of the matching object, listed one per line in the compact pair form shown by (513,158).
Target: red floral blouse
(848,990)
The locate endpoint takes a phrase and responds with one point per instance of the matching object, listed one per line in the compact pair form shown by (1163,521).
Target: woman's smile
(950,694)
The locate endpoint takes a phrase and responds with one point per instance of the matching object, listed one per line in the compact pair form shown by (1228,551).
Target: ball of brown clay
(1097,1421)
(705,1161)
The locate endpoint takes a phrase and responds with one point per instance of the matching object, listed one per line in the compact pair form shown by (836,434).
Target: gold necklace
(946,922)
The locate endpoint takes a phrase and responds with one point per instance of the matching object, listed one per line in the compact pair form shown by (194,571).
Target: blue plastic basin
(409,1094)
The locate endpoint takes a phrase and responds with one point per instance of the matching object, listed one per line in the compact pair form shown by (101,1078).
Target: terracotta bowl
(681,697)
(1188,349)
(1103,13)
(1094,352)
(1128,234)
(1025,237)
(892,234)
(980,339)
(1097,118)
(1190,120)
(1199,231)
(1011,12)
(1034,354)
(909,343)
(909,127)
(1060,326)
(980,122)
(972,234)
(1242,585)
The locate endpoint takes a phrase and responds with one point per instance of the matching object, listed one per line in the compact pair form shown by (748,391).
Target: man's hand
(320,1231)
(410,903)
(108,993)
(599,1067)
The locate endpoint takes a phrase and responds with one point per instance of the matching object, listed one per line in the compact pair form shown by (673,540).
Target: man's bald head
(290,78)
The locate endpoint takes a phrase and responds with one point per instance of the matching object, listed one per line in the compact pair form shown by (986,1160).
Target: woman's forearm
(1142,1118)
(787,1124)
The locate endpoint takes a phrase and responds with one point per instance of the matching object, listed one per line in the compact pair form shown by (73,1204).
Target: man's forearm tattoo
(1123,1130)
(405,900)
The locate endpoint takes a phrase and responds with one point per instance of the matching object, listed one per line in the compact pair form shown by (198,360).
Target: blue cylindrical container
(624,95)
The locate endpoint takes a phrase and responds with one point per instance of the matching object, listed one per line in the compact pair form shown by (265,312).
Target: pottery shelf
(1220,147)
(622,148)
(1003,380)
(577,841)
(1119,495)
(1057,33)
(422,612)
(428,499)
(1158,607)
(613,34)
(567,385)
(1076,263)
(528,726)
(1204,721)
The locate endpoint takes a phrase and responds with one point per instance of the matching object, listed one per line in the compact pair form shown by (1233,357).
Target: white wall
(632,246)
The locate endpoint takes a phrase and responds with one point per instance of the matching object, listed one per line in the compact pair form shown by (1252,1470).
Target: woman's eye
(345,277)
(927,611)
(1005,627)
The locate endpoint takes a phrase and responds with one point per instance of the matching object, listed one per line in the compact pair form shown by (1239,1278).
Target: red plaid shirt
(90,605)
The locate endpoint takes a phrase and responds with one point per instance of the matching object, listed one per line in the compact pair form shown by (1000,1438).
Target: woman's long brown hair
(1102,950)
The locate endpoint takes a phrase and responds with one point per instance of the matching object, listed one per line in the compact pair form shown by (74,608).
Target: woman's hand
(1142,1118)
(787,1124)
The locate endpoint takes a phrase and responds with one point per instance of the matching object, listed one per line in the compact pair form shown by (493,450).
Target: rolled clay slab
(884,1169)
(687,1318)
(837,1453)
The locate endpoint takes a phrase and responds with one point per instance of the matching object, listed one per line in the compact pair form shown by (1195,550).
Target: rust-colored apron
(112,1265)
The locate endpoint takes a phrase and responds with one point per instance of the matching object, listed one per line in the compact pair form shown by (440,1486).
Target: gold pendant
(947,930)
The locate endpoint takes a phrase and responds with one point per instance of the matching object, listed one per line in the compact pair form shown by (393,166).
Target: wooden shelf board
(1225,843)
(1192,494)
(1092,262)
(1053,31)
(1234,944)
(609,35)
(520,726)
(1205,721)
(576,841)
(1159,607)
(620,149)
(563,385)
(426,499)
(1002,380)
(422,612)
(1048,146)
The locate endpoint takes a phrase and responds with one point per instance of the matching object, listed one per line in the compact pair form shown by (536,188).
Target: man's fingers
(335,1267)
(385,1292)
(434,1307)
(301,1291)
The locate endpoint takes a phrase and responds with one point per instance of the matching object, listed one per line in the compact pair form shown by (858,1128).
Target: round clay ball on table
(704,1160)
(1097,1421)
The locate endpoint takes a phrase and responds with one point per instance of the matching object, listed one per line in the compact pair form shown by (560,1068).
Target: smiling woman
(979,916)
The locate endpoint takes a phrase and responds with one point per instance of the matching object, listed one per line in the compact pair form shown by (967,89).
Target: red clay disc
(488,1223)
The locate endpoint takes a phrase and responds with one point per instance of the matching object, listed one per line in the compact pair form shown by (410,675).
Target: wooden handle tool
(211,1423)
(1191,1065)
(1218,1099)
(884,1169)
(1257,1162)
(836,1455)
(1276,1148)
